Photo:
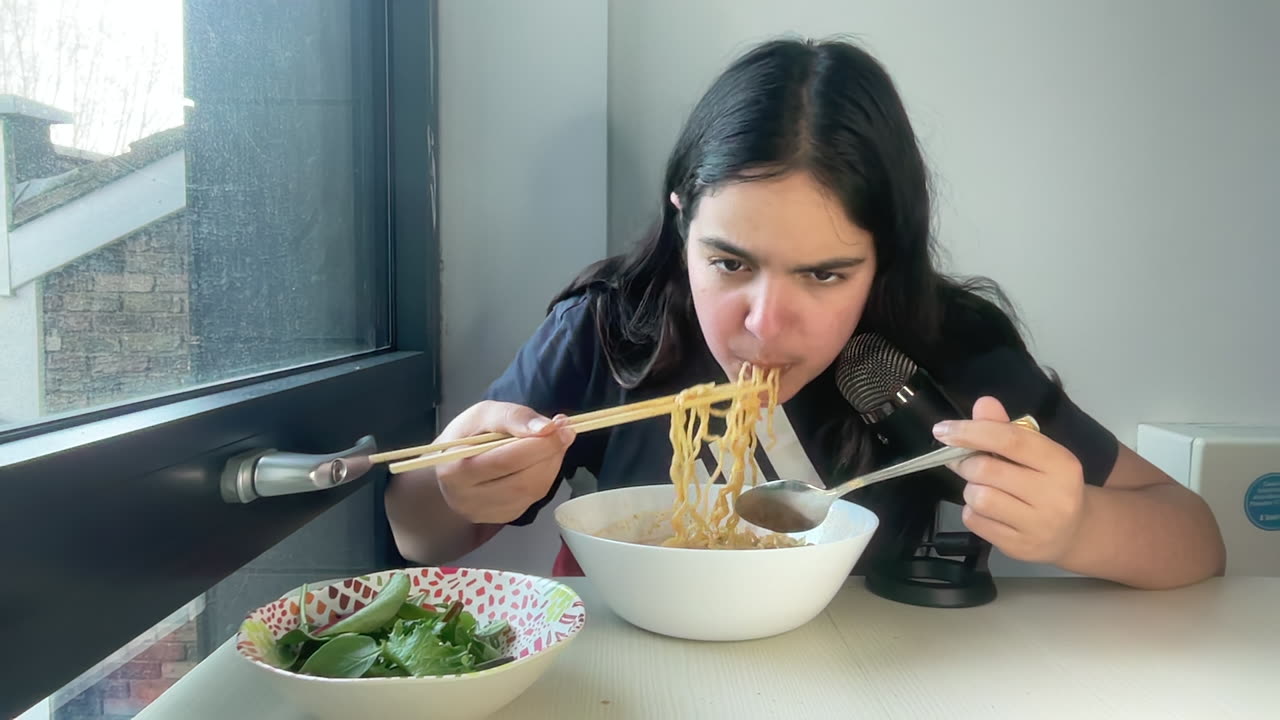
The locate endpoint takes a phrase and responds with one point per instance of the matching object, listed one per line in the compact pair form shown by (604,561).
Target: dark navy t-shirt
(562,369)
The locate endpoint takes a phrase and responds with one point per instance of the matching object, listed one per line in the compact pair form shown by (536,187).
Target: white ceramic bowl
(710,594)
(544,614)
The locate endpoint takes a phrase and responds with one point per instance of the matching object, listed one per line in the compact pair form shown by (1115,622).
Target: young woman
(795,212)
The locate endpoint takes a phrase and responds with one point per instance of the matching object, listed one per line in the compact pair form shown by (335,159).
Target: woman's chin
(787,387)
(785,393)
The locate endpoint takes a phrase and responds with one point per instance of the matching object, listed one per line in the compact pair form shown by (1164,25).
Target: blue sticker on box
(1262,502)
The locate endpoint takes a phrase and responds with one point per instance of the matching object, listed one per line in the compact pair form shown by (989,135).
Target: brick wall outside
(125,692)
(117,326)
(117,321)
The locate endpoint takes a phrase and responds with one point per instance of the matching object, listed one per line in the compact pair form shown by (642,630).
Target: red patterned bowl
(544,616)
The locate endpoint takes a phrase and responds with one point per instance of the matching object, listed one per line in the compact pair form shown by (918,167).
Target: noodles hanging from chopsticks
(694,524)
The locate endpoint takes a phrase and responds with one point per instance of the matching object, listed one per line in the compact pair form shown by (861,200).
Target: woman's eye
(826,277)
(727,265)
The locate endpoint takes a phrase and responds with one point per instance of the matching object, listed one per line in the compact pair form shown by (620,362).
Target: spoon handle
(931,459)
(906,467)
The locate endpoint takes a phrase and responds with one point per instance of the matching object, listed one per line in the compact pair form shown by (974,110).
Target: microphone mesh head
(870,371)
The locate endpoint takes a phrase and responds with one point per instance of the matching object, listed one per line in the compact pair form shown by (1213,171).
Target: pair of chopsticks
(436,453)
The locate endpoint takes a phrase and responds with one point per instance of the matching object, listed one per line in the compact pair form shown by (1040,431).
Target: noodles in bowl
(655,528)
(651,550)
(702,516)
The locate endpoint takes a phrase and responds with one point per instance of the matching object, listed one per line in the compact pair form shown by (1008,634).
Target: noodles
(694,524)
(697,519)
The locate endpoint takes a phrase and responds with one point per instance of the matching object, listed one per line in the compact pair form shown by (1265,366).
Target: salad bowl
(454,643)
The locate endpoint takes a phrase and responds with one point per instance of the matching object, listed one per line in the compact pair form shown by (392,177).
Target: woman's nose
(769,312)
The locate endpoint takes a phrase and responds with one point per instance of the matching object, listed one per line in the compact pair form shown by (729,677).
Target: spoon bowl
(786,506)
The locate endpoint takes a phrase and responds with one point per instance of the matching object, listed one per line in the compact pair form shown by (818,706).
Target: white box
(1236,469)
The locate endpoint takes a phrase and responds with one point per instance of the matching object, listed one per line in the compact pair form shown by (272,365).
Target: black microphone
(898,401)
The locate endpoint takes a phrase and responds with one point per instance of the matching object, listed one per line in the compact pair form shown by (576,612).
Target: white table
(1047,647)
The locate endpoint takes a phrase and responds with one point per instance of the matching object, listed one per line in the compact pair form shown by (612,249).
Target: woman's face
(779,275)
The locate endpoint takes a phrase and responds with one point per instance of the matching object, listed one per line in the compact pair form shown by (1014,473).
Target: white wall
(522,193)
(1116,166)
(21,378)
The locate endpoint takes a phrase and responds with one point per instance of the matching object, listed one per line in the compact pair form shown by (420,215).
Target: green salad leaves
(392,636)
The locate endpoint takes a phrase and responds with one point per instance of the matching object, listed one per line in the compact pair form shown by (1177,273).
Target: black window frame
(112,519)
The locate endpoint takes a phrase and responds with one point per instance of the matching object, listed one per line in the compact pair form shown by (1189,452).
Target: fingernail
(941,429)
(537,424)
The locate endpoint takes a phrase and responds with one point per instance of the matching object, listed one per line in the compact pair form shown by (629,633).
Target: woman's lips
(780,367)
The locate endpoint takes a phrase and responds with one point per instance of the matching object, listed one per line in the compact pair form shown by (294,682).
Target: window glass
(189,194)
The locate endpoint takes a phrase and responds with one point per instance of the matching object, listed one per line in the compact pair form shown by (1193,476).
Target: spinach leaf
(296,636)
(412,611)
(344,656)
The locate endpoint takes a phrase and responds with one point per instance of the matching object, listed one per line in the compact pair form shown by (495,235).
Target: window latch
(267,473)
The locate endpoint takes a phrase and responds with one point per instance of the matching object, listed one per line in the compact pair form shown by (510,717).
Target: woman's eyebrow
(839,263)
(729,248)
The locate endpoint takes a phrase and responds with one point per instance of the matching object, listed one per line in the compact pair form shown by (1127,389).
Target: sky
(116,65)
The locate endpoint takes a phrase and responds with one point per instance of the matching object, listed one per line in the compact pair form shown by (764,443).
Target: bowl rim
(555,645)
(874,525)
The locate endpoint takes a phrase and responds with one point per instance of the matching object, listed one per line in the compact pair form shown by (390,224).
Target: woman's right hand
(496,487)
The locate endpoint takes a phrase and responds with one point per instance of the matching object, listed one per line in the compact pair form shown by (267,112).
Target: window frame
(112,519)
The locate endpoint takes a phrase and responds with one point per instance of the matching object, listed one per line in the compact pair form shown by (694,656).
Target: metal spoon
(789,506)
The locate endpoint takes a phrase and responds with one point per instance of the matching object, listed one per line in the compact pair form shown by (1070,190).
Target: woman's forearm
(425,529)
(1154,537)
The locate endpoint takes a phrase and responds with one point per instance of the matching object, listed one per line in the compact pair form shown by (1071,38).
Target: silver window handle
(267,473)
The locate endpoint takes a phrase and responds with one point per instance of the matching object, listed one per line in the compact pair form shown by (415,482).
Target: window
(218,236)
(162,237)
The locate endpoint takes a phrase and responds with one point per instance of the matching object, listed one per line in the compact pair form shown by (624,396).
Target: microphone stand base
(934,582)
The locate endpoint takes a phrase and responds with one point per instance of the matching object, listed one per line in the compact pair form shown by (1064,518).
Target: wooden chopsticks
(436,453)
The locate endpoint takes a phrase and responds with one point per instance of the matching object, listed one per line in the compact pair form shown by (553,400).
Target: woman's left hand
(1025,493)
